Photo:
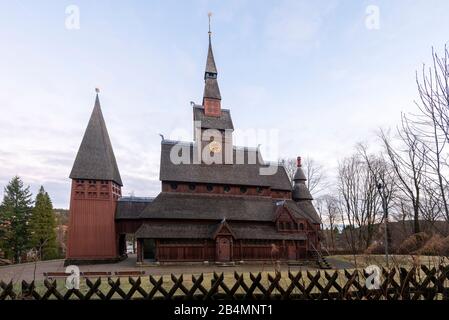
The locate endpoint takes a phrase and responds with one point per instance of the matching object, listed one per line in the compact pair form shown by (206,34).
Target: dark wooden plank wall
(240,250)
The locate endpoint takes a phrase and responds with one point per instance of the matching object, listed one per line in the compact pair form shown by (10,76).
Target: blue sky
(310,69)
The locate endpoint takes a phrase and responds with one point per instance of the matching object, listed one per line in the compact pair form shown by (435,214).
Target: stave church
(219,203)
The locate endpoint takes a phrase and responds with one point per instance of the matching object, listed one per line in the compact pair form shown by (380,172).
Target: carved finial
(97,90)
(210,16)
(162,136)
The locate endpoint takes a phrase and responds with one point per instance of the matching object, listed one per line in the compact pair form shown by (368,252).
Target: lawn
(360,261)
(402,261)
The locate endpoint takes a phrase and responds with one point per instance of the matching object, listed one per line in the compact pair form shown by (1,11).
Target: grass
(360,261)
(405,261)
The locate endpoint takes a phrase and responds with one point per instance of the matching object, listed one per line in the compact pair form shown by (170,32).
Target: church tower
(96,187)
(213,125)
(211,96)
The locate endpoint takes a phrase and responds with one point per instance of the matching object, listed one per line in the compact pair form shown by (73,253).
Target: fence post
(404,275)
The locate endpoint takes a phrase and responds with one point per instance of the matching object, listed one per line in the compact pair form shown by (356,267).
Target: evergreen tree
(15,212)
(43,227)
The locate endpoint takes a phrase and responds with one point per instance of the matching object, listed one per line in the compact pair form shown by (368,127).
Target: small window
(192,187)
(301,226)
(259,189)
(210,188)
(227,189)
(174,186)
(243,189)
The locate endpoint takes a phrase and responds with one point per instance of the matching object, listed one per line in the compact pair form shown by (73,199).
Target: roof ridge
(221,196)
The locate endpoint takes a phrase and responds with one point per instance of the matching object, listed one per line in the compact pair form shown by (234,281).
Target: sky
(319,76)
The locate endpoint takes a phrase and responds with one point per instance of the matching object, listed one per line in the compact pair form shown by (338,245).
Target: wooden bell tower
(96,188)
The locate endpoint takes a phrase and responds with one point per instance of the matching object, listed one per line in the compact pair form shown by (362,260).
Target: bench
(129,273)
(95,274)
(55,275)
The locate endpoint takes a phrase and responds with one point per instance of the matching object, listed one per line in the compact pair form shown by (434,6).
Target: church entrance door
(224,249)
(292,252)
(149,249)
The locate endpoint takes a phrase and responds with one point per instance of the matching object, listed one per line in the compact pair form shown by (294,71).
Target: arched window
(227,189)
(192,187)
(174,186)
(210,188)
(243,189)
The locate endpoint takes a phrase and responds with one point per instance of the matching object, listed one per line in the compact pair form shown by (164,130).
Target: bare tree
(432,122)
(315,174)
(360,201)
(328,208)
(408,165)
(383,176)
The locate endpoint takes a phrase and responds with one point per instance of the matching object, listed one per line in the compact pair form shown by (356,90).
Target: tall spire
(211,68)
(211,96)
(95,159)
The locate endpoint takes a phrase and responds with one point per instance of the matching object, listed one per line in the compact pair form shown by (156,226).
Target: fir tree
(43,227)
(15,212)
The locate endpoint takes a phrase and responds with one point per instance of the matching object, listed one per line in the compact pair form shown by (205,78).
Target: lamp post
(381,190)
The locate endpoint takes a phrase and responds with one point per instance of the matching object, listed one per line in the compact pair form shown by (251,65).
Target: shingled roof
(95,159)
(185,206)
(130,207)
(232,174)
(224,122)
(166,230)
(210,63)
(169,205)
(303,209)
(211,89)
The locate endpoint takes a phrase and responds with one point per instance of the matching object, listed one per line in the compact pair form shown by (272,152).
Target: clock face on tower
(215,147)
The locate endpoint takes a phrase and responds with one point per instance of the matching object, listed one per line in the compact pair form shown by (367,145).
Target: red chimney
(298,162)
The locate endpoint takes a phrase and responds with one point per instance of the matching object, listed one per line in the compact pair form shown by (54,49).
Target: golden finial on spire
(209,14)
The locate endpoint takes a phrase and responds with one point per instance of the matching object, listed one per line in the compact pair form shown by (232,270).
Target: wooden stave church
(205,212)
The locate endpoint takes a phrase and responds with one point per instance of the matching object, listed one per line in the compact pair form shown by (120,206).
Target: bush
(435,246)
(413,243)
(377,247)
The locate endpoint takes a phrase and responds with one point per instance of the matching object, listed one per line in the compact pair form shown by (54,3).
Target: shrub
(377,247)
(435,246)
(413,243)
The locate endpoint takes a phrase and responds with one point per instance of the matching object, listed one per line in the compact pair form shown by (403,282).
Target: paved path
(27,271)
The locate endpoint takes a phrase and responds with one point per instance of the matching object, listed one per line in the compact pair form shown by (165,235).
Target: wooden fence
(421,283)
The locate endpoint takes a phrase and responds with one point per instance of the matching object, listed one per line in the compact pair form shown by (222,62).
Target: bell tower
(96,188)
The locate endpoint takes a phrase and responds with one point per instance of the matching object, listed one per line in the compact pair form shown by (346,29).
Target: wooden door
(291,252)
(224,249)
(149,249)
